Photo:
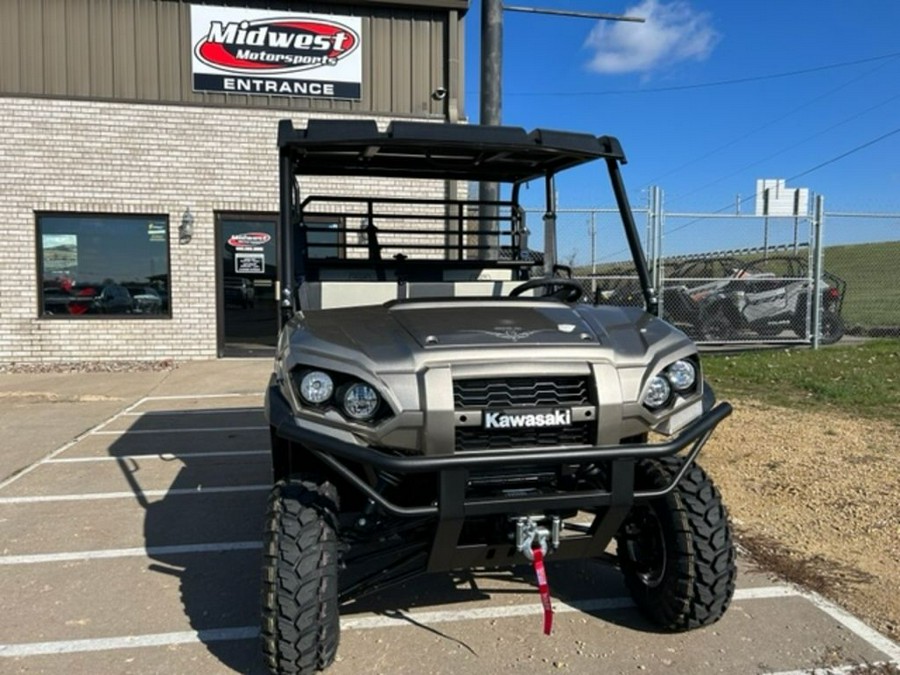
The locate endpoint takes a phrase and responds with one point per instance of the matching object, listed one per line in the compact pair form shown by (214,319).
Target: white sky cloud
(673,32)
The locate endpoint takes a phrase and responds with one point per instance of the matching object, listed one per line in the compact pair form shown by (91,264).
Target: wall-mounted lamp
(186,229)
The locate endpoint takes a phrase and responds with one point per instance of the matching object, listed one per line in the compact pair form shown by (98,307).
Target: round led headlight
(360,401)
(316,387)
(682,375)
(657,393)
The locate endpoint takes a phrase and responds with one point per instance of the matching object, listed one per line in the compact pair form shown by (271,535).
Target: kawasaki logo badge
(527,420)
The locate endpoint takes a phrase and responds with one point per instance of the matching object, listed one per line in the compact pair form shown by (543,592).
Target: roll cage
(430,151)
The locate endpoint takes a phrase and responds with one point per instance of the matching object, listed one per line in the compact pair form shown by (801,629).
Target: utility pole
(489,114)
(491,103)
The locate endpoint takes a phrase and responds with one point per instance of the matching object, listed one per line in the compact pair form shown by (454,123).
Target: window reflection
(103,265)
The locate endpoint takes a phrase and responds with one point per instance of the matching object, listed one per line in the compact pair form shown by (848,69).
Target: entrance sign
(271,53)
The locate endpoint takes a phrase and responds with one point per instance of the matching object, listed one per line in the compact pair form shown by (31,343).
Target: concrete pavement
(40,412)
(132,546)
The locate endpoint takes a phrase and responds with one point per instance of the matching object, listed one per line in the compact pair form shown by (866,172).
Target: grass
(861,379)
(873,291)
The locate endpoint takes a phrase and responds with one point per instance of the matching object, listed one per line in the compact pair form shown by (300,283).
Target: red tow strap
(544,589)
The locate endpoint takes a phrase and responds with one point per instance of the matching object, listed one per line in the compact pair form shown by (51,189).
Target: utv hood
(491,324)
(395,333)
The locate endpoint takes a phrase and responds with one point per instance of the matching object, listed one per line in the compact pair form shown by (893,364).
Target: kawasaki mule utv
(440,402)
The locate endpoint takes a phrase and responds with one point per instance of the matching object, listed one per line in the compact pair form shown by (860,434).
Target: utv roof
(435,150)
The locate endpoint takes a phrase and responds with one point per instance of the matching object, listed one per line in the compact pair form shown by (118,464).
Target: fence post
(593,256)
(816,307)
(658,266)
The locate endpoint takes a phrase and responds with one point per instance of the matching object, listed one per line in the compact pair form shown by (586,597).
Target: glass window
(103,265)
(323,237)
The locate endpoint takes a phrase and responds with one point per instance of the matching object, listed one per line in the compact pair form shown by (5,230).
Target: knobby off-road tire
(677,552)
(300,620)
(832,328)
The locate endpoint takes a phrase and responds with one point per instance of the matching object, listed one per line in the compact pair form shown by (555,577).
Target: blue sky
(647,84)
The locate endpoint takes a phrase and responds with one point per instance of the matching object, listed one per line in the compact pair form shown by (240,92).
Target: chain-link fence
(729,278)
(871,300)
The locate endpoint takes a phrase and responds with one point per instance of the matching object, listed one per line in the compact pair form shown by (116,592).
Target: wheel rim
(646,547)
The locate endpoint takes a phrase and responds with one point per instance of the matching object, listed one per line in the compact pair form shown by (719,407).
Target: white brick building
(75,153)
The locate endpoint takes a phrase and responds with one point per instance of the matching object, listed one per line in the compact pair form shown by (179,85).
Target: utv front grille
(523,394)
(514,392)
(474,438)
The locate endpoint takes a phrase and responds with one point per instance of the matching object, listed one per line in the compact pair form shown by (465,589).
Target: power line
(768,124)
(707,85)
(786,149)
(847,154)
(837,158)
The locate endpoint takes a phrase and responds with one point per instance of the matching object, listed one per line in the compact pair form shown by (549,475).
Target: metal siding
(139,50)
(401,65)
(100,59)
(54,39)
(77,49)
(437,67)
(10,50)
(420,68)
(147,37)
(31,70)
(123,54)
(380,48)
(173,42)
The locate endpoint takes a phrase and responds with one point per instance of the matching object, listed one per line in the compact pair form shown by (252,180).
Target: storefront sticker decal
(250,263)
(249,240)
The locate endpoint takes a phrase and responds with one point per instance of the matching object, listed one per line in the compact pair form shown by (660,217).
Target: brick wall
(93,156)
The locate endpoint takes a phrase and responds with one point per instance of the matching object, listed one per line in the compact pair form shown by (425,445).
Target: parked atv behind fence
(723,299)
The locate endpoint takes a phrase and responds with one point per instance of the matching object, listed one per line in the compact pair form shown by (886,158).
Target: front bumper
(455,505)
(332,451)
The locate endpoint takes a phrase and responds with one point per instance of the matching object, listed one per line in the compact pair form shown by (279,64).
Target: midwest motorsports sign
(268,53)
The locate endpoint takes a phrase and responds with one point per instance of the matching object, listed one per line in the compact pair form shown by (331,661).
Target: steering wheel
(566,290)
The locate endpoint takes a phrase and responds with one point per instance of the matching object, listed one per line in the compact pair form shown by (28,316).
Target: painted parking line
(165,456)
(849,669)
(881,642)
(66,446)
(183,397)
(362,623)
(135,552)
(204,411)
(98,429)
(219,429)
(199,491)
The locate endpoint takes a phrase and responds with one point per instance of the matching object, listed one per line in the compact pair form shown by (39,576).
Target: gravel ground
(814,497)
(86,366)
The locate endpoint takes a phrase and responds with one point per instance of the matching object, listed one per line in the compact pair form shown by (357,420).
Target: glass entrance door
(247,308)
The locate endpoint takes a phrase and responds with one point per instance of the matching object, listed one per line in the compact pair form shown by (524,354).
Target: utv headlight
(360,401)
(316,387)
(657,393)
(682,375)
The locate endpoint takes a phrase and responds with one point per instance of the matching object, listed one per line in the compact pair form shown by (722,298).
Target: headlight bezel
(684,366)
(315,387)
(369,395)
(686,389)
(342,383)
(658,393)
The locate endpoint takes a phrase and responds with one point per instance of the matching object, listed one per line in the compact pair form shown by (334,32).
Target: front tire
(716,326)
(676,552)
(300,619)
(832,328)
